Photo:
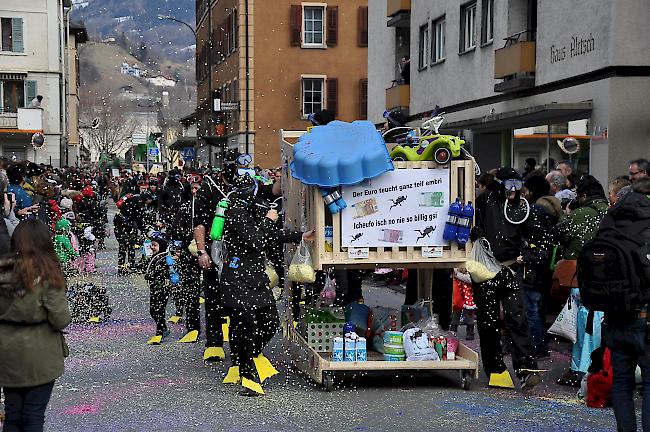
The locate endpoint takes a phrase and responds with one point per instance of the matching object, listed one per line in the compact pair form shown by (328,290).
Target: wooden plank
(467,353)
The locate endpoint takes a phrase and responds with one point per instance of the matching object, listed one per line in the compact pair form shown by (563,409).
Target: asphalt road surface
(115,382)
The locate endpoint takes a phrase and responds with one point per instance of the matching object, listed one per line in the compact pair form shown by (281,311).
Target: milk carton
(360,348)
(350,353)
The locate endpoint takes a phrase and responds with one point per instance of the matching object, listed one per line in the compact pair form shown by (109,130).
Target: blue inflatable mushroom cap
(340,154)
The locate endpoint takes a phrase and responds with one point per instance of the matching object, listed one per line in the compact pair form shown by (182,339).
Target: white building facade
(514,77)
(33,62)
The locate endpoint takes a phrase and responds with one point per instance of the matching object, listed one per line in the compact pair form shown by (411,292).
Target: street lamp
(165,17)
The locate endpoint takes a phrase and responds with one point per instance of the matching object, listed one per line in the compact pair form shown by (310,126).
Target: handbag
(564,278)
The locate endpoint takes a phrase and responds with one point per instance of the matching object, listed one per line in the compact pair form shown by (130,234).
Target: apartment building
(515,77)
(299,58)
(34,61)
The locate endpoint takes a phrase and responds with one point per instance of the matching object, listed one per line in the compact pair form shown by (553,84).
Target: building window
(312,95)
(13,95)
(487,28)
(424,46)
(468,27)
(12,35)
(313,25)
(438,40)
(233,31)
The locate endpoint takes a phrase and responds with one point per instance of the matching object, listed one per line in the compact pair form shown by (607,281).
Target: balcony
(399,12)
(25,119)
(398,96)
(515,64)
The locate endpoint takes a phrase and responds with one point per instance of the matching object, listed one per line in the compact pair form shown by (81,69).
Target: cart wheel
(465,380)
(399,158)
(328,382)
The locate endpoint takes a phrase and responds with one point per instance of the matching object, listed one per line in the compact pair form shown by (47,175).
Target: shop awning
(182,142)
(533,116)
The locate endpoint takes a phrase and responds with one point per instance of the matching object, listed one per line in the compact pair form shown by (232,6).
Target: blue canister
(348,327)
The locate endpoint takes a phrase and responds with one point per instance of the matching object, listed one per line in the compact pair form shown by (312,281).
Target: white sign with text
(405,207)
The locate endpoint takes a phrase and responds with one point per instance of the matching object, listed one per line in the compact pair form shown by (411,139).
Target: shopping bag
(417,347)
(328,293)
(481,265)
(301,269)
(566,323)
(599,383)
(383,319)
(414,313)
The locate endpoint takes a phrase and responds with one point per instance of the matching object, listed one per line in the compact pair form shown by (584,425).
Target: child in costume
(463,304)
(62,245)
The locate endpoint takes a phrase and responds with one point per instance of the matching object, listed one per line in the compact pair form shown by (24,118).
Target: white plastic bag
(566,323)
(416,346)
(301,269)
(218,254)
(328,294)
(481,265)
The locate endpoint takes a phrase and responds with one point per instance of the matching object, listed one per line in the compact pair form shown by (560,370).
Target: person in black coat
(245,288)
(499,219)
(539,242)
(170,197)
(127,224)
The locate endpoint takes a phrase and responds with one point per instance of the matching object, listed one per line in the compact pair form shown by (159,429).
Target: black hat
(508,173)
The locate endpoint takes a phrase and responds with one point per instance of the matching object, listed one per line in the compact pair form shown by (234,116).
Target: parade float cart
(394,220)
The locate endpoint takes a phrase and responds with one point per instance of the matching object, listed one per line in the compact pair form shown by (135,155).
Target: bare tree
(108,124)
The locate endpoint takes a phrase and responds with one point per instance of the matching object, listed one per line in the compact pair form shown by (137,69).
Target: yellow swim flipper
(175,319)
(265,369)
(94,320)
(214,354)
(190,337)
(232,377)
(251,388)
(201,300)
(155,340)
(501,380)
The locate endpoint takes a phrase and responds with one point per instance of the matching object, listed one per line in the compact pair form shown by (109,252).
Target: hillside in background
(100,75)
(137,21)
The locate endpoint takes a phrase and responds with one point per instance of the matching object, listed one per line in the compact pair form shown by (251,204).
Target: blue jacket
(23,200)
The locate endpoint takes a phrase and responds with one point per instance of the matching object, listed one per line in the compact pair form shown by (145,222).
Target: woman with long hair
(33,313)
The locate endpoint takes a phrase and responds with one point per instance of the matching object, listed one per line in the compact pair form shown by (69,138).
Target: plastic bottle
(219,221)
(465,223)
(174,277)
(451,226)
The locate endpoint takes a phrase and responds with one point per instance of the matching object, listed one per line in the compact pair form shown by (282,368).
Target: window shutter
(17,35)
(228,34)
(333,95)
(363,26)
(296,25)
(363,99)
(30,92)
(332,25)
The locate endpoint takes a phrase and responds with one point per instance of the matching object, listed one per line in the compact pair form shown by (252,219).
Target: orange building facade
(302,57)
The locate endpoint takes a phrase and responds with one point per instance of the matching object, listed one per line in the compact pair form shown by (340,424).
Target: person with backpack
(573,232)
(614,276)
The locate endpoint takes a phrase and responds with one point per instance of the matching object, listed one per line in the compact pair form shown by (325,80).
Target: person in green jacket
(33,313)
(62,245)
(574,231)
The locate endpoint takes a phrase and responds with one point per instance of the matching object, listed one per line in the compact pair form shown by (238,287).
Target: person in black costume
(244,285)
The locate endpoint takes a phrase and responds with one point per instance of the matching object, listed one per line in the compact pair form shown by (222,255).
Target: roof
(183,142)
(189,119)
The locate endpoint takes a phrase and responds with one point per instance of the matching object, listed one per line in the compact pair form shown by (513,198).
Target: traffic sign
(139,138)
(154,151)
(189,153)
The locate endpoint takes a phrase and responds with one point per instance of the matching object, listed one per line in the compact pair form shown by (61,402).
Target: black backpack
(614,271)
